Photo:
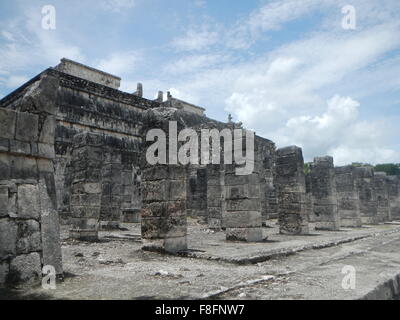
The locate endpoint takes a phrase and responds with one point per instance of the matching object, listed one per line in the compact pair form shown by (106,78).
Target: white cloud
(196,39)
(117,5)
(283,94)
(339,132)
(119,63)
(194,63)
(15,81)
(7,35)
(270,17)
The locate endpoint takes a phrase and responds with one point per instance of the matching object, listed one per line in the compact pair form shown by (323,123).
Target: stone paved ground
(116,267)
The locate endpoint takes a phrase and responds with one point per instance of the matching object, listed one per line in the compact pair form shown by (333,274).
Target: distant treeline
(391,169)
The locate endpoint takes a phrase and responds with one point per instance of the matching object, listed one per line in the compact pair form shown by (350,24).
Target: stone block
(26,269)
(293,224)
(175,245)
(155,190)
(8,238)
(242,205)
(4,144)
(20,147)
(47,133)
(29,239)
(46,150)
(7,123)
(234,180)
(22,167)
(28,206)
(50,229)
(27,127)
(5,170)
(92,188)
(244,234)
(3,201)
(177,190)
(247,191)
(242,219)
(131,216)
(45,165)
(4,271)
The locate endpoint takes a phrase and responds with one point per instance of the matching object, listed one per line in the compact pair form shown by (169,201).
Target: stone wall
(348,197)
(29,226)
(323,189)
(291,191)
(85,106)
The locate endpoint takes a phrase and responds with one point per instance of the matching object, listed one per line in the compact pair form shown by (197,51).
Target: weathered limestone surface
(348,197)
(366,192)
(29,225)
(324,195)
(265,159)
(164,187)
(242,215)
(394,196)
(215,195)
(309,203)
(87,163)
(197,193)
(382,196)
(88,73)
(290,181)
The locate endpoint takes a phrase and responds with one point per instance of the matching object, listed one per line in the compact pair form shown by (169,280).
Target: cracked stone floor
(281,267)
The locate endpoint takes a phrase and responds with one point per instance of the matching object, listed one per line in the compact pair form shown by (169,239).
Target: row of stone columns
(329,198)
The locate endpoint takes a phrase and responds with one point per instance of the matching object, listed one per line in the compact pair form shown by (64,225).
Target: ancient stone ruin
(324,197)
(73,152)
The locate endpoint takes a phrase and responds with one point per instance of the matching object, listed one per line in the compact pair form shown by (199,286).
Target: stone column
(215,195)
(242,215)
(324,194)
(29,224)
(87,161)
(131,201)
(164,187)
(198,194)
(382,196)
(366,192)
(348,198)
(164,225)
(309,203)
(290,182)
(394,196)
(111,196)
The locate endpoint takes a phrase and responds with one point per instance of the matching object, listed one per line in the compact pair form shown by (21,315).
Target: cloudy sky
(285,68)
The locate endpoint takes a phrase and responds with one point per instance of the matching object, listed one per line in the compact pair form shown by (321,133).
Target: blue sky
(285,68)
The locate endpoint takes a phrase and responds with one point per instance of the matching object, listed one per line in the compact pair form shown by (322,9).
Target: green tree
(391,169)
